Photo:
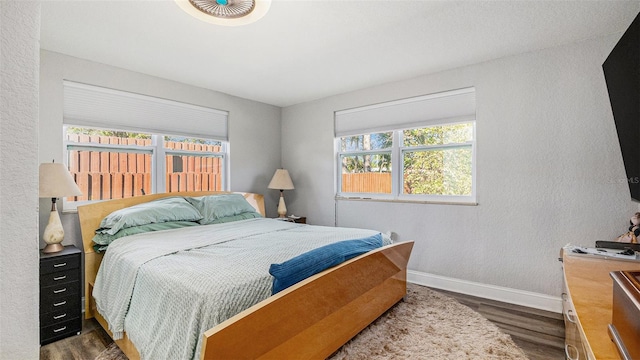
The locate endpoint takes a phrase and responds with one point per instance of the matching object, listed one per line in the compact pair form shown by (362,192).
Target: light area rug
(424,325)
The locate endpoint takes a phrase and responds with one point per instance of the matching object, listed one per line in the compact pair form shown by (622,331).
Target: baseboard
(498,293)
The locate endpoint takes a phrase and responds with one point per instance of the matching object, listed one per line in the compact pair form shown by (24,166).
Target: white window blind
(445,107)
(88,105)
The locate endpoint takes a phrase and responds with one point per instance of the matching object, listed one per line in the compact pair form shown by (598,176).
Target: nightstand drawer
(58,331)
(59,277)
(48,305)
(65,313)
(55,292)
(59,263)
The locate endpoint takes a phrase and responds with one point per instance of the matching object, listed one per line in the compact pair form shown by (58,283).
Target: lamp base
(53,232)
(53,248)
(282,208)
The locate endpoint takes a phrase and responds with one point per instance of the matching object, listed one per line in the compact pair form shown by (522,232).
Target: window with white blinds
(416,149)
(95,106)
(120,144)
(445,107)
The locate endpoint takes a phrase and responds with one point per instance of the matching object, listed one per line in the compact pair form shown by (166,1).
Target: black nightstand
(60,295)
(299,219)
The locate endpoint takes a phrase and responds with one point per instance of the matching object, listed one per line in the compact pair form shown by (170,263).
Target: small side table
(60,295)
(298,219)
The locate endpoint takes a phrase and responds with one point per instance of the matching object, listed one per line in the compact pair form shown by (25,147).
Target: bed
(308,320)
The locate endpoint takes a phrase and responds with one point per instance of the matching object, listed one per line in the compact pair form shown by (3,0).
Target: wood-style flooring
(86,346)
(539,333)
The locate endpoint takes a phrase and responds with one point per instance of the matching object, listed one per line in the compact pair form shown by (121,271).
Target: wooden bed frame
(310,320)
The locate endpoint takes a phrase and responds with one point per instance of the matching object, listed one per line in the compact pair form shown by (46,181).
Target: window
(438,160)
(111,164)
(121,144)
(193,164)
(426,151)
(365,161)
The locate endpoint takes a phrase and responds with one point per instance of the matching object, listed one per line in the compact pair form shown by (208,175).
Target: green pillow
(214,207)
(243,216)
(103,240)
(173,208)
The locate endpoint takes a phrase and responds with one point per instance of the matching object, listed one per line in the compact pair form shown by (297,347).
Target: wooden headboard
(92,214)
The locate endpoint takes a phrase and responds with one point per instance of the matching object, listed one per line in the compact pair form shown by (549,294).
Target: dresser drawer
(61,314)
(56,292)
(48,304)
(61,330)
(59,277)
(59,263)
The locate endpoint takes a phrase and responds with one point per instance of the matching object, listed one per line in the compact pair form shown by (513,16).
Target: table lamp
(281,181)
(55,182)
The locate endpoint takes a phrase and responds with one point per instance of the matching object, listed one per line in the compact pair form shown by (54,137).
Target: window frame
(158,155)
(397,168)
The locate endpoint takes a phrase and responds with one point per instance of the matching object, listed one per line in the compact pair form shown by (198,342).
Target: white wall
(19,319)
(254,128)
(549,169)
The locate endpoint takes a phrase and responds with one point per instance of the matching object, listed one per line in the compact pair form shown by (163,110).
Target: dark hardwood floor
(85,346)
(539,333)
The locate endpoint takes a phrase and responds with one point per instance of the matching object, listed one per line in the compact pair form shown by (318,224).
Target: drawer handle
(61,329)
(59,265)
(60,278)
(575,351)
(59,316)
(571,316)
(59,291)
(60,303)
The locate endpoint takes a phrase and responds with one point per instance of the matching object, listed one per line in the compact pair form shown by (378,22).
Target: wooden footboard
(315,317)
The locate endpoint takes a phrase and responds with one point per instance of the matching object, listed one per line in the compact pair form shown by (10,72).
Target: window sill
(432,202)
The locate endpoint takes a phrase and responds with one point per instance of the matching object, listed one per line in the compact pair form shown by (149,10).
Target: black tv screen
(622,75)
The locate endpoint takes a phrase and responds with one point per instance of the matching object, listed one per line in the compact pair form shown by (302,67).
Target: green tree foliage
(363,163)
(100,132)
(438,170)
(135,135)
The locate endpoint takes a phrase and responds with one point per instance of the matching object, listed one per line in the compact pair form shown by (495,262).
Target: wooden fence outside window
(367,182)
(102,175)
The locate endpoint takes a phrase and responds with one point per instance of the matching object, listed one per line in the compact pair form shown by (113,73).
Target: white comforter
(166,288)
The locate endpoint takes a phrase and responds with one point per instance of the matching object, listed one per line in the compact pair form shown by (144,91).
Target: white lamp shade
(56,181)
(281,180)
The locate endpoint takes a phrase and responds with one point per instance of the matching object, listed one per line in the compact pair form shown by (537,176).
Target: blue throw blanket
(317,260)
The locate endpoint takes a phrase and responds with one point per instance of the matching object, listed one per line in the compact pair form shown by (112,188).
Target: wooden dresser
(587,305)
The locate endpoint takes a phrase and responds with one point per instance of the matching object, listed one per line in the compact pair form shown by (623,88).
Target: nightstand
(60,295)
(297,219)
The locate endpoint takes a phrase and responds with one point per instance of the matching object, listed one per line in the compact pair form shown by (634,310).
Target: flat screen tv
(622,75)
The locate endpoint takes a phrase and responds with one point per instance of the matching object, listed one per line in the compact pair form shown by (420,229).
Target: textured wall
(19,59)
(549,169)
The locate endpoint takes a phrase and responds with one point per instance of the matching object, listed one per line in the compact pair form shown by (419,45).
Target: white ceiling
(308,49)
